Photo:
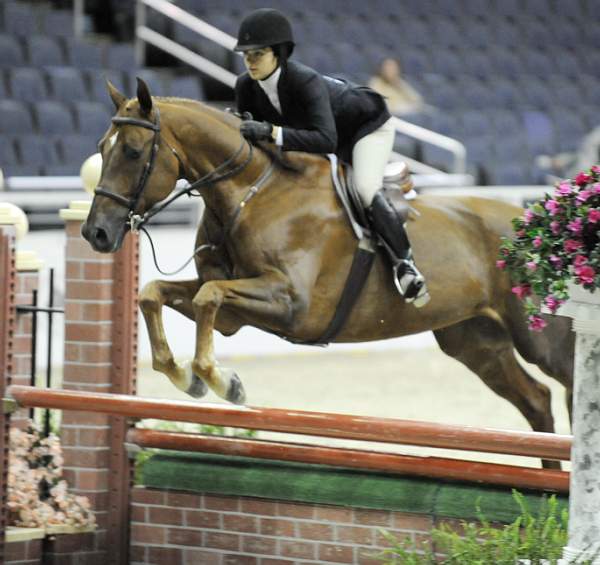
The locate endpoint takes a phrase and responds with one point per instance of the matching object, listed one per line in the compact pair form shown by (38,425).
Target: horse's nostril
(100,236)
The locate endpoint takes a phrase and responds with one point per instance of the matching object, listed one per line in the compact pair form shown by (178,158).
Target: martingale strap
(357,277)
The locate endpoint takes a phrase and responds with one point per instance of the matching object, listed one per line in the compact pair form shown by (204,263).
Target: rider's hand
(256,131)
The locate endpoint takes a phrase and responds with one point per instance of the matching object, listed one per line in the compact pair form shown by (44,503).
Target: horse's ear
(144,98)
(117,98)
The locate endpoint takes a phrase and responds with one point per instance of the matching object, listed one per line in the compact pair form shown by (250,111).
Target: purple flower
(528,216)
(552,206)
(596,188)
(556,262)
(564,189)
(572,245)
(552,303)
(594,216)
(531,265)
(575,226)
(501,263)
(537,323)
(555,227)
(521,291)
(582,196)
(596,169)
(537,241)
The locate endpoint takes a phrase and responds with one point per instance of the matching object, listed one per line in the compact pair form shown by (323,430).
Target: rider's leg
(369,157)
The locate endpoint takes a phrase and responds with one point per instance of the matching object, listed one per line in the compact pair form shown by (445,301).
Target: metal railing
(146,35)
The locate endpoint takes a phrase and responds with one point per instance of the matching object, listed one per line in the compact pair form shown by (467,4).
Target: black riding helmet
(265,28)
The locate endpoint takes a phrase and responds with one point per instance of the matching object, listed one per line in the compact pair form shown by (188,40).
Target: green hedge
(242,476)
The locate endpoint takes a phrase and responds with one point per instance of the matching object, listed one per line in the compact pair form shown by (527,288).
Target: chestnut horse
(279,261)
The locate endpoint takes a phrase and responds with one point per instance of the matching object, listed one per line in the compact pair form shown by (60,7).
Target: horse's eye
(131,153)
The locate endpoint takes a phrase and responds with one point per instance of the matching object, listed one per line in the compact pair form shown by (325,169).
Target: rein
(220,173)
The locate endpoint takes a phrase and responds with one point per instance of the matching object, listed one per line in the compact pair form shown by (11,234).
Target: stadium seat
(53,118)
(506,63)
(27,84)
(537,63)
(97,80)
(505,123)
(539,131)
(477,8)
(37,151)
(120,56)
(537,93)
(187,87)
(570,65)
(76,148)
(447,33)
(21,19)
(8,152)
(566,94)
(85,54)
(17,170)
(474,124)
(66,84)
(474,94)
(15,118)
(58,23)
(477,64)
(506,93)
(93,118)
(12,52)
(62,169)
(43,51)
(515,173)
(156,81)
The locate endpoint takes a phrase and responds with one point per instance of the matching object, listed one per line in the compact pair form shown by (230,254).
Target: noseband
(135,221)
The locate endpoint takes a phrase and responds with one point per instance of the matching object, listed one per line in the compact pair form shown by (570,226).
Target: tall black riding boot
(390,227)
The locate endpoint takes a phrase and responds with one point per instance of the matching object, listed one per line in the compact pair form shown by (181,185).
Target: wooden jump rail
(382,430)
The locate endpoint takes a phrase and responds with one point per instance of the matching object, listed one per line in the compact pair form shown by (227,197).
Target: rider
(300,110)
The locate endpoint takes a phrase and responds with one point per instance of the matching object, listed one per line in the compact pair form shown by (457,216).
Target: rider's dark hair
(282,52)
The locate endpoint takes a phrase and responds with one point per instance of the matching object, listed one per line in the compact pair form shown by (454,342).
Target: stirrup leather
(410,283)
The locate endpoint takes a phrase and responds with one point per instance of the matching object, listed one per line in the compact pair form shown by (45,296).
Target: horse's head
(139,169)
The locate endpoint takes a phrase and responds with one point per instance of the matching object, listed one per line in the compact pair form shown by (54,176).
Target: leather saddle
(397,183)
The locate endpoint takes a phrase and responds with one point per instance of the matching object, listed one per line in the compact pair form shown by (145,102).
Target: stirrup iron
(408,279)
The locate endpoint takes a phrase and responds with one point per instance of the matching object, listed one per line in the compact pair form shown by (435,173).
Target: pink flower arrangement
(556,242)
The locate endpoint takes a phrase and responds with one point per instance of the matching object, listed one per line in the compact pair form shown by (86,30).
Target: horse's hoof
(198,388)
(236,393)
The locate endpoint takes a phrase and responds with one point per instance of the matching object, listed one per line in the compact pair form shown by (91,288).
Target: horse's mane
(233,121)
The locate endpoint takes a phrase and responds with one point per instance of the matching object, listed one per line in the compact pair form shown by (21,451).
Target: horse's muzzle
(102,238)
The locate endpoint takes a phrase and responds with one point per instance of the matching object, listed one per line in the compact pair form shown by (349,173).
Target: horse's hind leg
(178,295)
(484,346)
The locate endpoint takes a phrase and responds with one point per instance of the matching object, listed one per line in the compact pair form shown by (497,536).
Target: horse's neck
(206,142)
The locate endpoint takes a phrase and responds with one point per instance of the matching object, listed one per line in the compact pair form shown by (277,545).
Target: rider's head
(266,40)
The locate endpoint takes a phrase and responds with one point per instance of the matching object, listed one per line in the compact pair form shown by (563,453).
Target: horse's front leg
(177,295)
(264,301)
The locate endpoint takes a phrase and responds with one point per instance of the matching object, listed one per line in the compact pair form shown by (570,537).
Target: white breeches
(370,155)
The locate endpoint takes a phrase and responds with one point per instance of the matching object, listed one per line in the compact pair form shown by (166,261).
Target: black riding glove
(256,131)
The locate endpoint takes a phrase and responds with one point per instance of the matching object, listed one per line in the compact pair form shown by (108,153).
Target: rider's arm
(318,133)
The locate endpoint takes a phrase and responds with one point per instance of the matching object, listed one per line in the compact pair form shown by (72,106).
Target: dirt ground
(419,384)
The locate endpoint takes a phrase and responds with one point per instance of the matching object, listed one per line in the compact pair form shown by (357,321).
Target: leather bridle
(220,173)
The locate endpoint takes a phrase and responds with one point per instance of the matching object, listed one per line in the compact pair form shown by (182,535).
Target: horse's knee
(149,298)
(209,296)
